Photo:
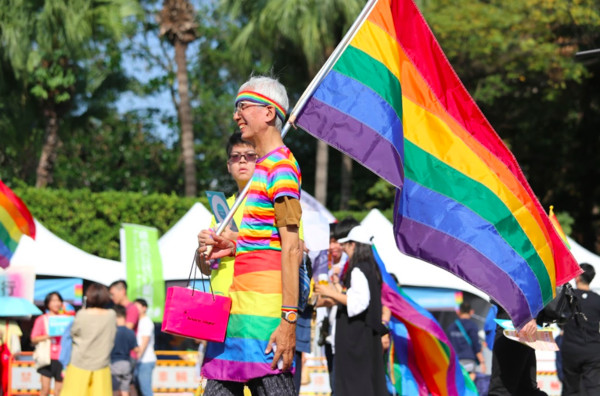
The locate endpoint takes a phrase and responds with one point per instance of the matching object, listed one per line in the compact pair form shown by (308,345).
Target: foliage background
(115,164)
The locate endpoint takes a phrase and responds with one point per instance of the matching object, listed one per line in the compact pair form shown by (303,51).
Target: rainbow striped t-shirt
(276,174)
(256,288)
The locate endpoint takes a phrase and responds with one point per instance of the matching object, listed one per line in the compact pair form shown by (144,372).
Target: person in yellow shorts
(93,333)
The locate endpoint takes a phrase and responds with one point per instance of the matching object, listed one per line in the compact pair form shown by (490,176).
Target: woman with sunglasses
(358,362)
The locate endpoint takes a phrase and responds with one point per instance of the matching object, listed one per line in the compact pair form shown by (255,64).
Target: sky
(144,72)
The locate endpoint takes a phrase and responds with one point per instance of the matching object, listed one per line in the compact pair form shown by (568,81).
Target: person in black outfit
(358,359)
(581,341)
(514,366)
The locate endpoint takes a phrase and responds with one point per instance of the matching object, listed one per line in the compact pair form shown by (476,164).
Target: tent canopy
(51,256)
(178,245)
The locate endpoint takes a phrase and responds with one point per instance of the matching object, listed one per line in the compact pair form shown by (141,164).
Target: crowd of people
(267,247)
(107,348)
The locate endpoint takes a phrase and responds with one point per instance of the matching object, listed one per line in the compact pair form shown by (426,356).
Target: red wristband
(234,248)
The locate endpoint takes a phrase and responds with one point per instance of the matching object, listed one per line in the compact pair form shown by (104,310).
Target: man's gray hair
(271,88)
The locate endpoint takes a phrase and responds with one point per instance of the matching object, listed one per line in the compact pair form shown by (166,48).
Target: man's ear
(272,114)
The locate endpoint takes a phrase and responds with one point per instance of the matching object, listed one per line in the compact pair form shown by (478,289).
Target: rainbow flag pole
(15,221)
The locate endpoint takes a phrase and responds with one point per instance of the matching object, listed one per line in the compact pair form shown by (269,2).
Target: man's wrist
(233,248)
(289,313)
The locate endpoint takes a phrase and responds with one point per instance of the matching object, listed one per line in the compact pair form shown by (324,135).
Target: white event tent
(49,255)
(178,245)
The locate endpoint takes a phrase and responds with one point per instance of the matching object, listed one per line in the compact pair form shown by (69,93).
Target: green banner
(139,253)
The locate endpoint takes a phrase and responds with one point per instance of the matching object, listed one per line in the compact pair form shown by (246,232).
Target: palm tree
(178,25)
(49,46)
(313,26)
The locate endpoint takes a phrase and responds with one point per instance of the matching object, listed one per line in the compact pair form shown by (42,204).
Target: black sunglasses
(249,157)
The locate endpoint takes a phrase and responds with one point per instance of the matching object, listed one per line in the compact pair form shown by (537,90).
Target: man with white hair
(259,347)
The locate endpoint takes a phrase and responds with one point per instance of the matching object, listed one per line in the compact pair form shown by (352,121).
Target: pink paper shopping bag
(194,314)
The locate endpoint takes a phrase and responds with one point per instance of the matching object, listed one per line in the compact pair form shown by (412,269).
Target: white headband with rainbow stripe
(255,97)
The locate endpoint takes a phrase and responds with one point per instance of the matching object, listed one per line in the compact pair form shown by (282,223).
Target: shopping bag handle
(194,268)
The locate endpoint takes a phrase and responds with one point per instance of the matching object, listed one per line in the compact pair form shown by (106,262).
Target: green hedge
(91,221)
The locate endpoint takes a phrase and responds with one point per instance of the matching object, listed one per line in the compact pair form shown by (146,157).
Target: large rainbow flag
(425,349)
(15,220)
(393,102)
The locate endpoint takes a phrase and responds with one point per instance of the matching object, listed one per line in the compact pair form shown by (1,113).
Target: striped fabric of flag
(401,380)
(428,354)
(393,102)
(15,220)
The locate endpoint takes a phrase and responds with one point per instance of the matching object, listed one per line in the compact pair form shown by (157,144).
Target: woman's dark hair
(49,297)
(97,296)
(363,253)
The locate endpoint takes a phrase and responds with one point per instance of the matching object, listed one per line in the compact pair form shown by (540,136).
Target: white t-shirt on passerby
(146,329)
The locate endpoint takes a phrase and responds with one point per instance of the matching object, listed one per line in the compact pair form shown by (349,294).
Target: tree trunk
(321,172)
(185,120)
(346,188)
(46,164)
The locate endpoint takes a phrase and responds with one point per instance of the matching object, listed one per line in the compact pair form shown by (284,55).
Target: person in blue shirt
(120,356)
(462,334)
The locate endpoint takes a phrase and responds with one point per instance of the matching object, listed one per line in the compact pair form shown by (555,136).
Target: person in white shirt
(147,357)
(338,261)
(358,362)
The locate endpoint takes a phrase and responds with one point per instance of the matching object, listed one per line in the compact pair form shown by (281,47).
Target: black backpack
(563,308)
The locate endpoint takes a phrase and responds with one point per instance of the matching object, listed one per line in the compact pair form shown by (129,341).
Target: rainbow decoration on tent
(393,102)
(15,221)
(78,291)
(424,348)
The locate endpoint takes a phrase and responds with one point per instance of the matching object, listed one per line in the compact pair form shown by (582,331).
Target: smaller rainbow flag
(400,377)
(557,226)
(432,362)
(15,221)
